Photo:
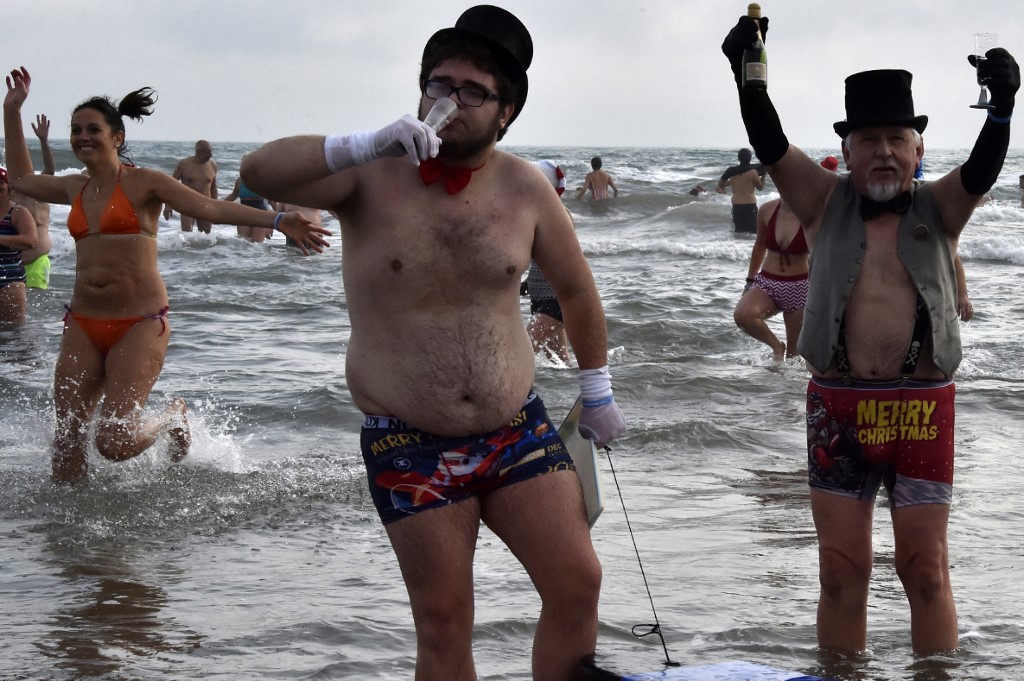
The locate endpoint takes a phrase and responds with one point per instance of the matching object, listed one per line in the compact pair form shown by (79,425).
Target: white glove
(407,135)
(601,420)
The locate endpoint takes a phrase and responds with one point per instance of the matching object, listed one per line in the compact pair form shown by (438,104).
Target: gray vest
(836,257)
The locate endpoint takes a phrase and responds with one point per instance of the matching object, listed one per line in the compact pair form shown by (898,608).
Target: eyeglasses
(470,96)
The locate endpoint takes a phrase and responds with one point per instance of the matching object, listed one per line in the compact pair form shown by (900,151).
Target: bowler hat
(501,31)
(879,98)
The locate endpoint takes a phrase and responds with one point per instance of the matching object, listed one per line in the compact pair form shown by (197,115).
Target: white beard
(883,191)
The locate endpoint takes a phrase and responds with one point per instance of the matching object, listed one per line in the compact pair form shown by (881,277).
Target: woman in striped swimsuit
(17,234)
(776,278)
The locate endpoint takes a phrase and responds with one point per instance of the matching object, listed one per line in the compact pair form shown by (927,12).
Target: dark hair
(744,155)
(477,51)
(595,163)
(134,105)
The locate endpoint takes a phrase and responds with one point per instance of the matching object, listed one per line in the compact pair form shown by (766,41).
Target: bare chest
(461,247)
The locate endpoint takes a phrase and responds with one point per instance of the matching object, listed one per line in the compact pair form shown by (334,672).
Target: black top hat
(505,35)
(878,98)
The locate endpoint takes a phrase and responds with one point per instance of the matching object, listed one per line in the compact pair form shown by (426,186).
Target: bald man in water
(200,173)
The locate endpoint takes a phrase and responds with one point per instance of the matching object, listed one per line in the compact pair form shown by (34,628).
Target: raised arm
(19,161)
(42,130)
(958,192)
(804,184)
(313,170)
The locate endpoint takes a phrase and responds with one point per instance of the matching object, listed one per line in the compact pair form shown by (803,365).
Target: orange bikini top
(118,217)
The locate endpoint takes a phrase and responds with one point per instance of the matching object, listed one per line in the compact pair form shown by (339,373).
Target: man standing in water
(744,179)
(198,172)
(881,335)
(597,182)
(433,250)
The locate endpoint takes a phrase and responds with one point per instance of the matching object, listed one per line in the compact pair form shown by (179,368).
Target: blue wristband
(996,119)
(607,399)
(277,219)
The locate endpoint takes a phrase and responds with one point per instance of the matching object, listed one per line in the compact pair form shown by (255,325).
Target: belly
(456,376)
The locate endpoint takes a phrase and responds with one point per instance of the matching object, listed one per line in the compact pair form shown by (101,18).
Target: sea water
(261,556)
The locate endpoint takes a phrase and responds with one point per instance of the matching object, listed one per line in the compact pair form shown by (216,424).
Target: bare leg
(435,551)
(543,522)
(750,314)
(245,232)
(922,562)
(259,234)
(13,301)
(132,368)
(186,223)
(844,569)
(77,389)
(794,320)
(204,226)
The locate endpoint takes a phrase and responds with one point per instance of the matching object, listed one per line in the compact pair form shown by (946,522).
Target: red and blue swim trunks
(409,471)
(862,434)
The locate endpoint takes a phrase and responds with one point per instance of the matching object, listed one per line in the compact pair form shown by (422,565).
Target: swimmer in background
(597,182)
(197,172)
(743,179)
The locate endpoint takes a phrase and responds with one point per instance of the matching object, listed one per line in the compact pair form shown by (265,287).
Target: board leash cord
(640,630)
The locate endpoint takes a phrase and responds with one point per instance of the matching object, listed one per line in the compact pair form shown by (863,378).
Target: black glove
(741,38)
(1000,72)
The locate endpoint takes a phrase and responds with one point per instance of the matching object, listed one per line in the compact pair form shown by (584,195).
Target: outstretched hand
(1000,72)
(741,38)
(18,85)
(41,127)
(303,232)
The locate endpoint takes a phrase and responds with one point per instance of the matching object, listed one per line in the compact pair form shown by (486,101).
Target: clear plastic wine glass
(983,42)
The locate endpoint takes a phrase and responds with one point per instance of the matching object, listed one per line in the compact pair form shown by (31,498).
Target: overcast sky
(606,73)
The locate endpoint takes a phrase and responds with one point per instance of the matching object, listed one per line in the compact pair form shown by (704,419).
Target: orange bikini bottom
(105,333)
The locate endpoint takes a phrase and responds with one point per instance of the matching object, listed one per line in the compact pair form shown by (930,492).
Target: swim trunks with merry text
(410,471)
(863,434)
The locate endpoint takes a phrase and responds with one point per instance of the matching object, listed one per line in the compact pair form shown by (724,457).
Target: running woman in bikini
(117,329)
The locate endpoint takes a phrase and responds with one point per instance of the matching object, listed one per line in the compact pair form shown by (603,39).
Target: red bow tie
(455,177)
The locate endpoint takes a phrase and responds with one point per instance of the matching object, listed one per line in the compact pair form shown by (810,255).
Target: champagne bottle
(755,59)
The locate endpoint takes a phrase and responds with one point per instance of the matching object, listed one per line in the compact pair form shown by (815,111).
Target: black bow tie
(869,210)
